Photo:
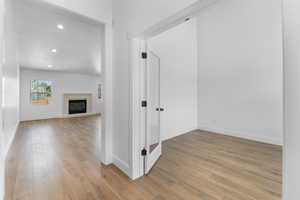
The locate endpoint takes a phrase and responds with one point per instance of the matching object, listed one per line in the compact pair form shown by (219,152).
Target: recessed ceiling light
(50,66)
(60,26)
(53,50)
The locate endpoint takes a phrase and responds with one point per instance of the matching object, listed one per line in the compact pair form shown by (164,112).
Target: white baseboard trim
(180,133)
(78,115)
(2,195)
(7,148)
(64,116)
(122,165)
(2,181)
(244,135)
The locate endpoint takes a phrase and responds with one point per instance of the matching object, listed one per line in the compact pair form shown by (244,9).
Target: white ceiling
(79,46)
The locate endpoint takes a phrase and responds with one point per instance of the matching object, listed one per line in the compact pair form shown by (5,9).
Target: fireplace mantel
(77,96)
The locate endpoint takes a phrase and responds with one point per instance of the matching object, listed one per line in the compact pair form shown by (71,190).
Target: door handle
(160,109)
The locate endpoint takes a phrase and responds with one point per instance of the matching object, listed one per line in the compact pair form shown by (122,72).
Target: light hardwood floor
(56,160)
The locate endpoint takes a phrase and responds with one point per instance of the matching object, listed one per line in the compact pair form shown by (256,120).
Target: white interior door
(153,137)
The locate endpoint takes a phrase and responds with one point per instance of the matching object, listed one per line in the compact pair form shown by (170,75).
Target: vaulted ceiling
(75,46)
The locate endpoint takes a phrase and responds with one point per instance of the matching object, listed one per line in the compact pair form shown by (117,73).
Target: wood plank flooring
(57,160)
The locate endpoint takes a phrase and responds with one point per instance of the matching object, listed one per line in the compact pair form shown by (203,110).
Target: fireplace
(77,106)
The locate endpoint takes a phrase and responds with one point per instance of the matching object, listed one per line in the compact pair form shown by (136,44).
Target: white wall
(1,132)
(9,85)
(10,79)
(291,171)
(240,69)
(130,17)
(177,49)
(62,83)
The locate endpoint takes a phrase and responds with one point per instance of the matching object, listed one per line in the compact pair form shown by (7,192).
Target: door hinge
(160,109)
(144,103)
(144,55)
(144,152)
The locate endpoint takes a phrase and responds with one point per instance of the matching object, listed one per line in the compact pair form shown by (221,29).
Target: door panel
(153,139)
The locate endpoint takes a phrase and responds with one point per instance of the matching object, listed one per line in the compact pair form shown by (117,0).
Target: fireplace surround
(81,101)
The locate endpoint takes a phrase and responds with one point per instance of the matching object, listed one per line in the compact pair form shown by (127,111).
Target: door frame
(138,45)
(138,113)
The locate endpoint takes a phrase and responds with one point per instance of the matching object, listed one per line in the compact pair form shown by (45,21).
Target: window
(41,92)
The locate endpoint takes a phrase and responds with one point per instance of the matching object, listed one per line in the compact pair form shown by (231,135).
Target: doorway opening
(225,85)
(55,86)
